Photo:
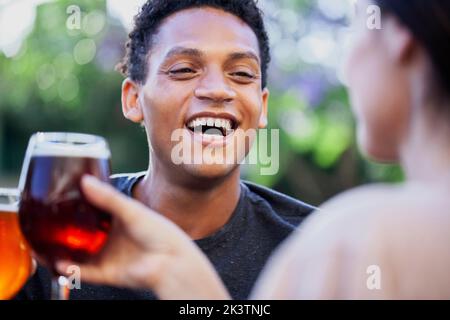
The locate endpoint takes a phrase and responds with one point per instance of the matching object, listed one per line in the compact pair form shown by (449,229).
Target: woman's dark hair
(153,12)
(429,22)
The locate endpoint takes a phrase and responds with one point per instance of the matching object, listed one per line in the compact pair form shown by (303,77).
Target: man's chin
(209,172)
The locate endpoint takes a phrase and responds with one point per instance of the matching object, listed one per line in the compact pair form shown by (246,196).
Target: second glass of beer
(55,217)
(15,259)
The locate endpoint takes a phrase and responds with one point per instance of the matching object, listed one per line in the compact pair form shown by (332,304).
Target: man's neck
(199,212)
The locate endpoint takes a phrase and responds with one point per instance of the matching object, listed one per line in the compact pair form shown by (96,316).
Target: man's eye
(243,74)
(182,71)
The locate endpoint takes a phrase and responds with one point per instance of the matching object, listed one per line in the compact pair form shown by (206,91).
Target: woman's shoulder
(389,212)
(367,197)
(362,204)
(408,201)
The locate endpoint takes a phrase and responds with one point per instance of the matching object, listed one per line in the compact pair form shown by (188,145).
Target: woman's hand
(146,251)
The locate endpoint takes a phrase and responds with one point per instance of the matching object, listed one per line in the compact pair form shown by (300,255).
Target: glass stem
(60,290)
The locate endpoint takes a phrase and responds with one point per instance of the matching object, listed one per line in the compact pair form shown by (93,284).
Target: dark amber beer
(54,214)
(15,260)
(55,217)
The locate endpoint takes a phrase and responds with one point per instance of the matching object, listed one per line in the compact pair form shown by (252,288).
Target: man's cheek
(252,108)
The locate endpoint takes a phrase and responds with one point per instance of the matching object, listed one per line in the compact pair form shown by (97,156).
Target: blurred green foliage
(43,88)
(64,80)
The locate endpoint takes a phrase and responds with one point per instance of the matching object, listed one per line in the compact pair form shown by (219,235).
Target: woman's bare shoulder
(367,196)
(358,205)
(379,211)
(402,201)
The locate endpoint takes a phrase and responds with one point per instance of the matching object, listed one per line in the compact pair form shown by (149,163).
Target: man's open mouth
(212,126)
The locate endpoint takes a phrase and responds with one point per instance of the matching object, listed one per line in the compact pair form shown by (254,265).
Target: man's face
(204,80)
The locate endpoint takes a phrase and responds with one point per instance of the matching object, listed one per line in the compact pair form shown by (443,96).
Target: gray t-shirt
(262,219)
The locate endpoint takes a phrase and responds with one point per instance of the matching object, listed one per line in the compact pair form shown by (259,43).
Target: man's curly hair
(153,12)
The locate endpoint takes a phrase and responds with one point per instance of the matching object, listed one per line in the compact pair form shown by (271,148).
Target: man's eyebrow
(244,55)
(183,51)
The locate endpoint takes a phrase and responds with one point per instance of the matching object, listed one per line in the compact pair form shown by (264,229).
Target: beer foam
(71,151)
(8,208)
(9,200)
(93,147)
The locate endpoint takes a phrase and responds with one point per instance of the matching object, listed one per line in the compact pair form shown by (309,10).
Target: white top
(91,146)
(12,197)
(8,208)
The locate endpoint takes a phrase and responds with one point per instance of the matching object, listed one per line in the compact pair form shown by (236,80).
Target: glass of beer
(55,217)
(15,259)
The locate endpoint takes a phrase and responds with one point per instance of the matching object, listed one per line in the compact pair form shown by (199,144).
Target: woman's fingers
(134,276)
(88,273)
(143,223)
(105,197)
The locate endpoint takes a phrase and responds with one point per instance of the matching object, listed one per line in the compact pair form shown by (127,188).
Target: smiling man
(199,68)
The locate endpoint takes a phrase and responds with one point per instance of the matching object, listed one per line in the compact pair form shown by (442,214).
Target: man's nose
(214,87)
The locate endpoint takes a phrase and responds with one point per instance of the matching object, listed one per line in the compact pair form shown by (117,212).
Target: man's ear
(131,107)
(265,103)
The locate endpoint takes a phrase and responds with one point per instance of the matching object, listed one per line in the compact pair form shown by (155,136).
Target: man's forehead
(201,27)
(201,52)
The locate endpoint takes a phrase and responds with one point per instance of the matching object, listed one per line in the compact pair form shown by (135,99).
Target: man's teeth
(211,122)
